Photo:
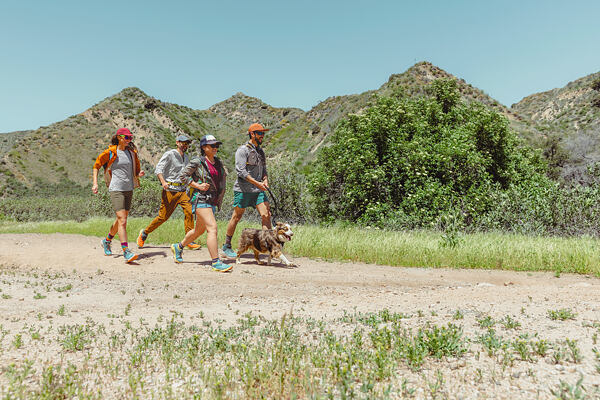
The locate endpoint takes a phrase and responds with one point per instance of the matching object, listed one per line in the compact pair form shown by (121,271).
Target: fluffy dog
(268,241)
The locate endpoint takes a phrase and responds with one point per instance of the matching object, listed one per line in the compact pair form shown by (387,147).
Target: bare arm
(94,181)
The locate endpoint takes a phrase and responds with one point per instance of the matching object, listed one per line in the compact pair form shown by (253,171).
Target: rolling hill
(59,157)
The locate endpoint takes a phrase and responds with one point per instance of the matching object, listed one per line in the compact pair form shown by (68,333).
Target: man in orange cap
(252,181)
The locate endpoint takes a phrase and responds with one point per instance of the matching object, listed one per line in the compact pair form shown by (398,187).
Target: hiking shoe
(193,246)
(129,255)
(141,240)
(228,251)
(177,253)
(221,267)
(106,247)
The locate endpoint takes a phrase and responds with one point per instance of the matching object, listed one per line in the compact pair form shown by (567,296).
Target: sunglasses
(259,133)
(214,146)
(127,137)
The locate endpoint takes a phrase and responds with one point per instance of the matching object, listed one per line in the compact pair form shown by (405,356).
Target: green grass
(409,249)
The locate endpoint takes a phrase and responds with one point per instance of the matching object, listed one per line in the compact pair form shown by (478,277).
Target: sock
(144,235)
(180,246)
(124,245)
(109,237)
(214,260)
(228,240)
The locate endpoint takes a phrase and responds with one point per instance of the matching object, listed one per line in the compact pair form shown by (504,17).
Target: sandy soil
(155,285)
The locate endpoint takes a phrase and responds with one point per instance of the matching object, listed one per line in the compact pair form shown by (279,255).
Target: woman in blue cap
(207,176)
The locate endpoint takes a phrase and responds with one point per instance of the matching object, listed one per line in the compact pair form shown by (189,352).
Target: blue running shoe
(106,247)
(177,253)
(129,256)
(228,251)
(221,267)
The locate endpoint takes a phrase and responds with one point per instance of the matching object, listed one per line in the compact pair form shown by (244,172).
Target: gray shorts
(121,200)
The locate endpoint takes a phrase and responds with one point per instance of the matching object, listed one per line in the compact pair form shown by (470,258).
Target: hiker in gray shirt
(122,171)
(249,188)
(174,192)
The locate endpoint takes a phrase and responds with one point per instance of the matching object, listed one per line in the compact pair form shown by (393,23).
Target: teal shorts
(245,200)
(203,205)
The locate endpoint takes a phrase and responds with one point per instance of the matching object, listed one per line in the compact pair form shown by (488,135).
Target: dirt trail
(155,285)
(321,288)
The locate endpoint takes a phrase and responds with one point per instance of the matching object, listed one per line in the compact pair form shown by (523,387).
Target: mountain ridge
(46,154)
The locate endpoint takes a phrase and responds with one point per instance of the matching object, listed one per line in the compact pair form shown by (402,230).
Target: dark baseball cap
(183,138)
(208,139)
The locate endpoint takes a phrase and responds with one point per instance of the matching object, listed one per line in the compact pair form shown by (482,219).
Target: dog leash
(273,214)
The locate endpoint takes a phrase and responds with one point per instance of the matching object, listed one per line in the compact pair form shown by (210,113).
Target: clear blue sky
(60,57)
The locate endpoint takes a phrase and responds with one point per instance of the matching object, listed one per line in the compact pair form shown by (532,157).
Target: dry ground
(35,265)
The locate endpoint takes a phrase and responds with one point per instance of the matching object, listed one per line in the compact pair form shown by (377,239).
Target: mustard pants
(168,204)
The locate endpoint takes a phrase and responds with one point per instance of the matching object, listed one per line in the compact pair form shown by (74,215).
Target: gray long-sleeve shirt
(249,160)
(170,165)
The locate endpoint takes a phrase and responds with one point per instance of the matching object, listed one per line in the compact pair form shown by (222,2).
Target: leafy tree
(407,162)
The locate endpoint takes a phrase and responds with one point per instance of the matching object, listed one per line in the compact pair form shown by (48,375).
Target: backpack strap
(110,156)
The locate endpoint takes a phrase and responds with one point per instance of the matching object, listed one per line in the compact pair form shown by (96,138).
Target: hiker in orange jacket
(121,173)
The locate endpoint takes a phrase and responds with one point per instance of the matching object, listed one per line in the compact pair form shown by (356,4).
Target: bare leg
(211,231)
(198,230)
(205,221)
(235,218)
(114,227)
(265,214)
(121,225)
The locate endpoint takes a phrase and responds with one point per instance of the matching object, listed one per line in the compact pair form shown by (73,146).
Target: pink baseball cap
(123,131)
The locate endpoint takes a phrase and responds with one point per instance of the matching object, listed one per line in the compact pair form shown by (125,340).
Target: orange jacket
(108,157)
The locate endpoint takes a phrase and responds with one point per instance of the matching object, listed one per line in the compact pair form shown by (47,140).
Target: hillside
(568,120)
(59,156)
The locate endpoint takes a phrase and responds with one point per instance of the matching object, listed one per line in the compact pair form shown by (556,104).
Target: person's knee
(211,227)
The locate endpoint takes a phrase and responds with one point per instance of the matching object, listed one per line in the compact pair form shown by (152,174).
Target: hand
(265,182)
(203,186)
(165,185)
(261,186)
(142,173)
(95,188)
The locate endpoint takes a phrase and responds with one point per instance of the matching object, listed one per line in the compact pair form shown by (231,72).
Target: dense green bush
(407,163)
(539,208)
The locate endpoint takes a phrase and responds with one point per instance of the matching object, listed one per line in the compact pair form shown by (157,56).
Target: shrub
(407,163)
(78,207)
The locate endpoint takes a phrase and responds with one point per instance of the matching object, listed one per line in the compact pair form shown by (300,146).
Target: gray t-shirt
(122,172)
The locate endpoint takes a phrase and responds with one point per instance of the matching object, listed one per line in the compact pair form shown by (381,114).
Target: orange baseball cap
(257,128)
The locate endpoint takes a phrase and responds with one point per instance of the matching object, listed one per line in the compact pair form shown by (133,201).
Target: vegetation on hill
(567,122)
(412,161)
(438,162)
(64,151)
